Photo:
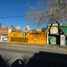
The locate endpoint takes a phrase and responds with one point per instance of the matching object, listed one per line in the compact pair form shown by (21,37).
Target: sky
(16,8)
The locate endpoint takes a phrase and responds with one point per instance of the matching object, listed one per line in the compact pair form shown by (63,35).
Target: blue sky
(16,8)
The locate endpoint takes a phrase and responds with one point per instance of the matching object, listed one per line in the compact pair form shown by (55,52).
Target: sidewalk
(34,45)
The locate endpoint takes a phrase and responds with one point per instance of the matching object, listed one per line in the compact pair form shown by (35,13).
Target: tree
(56,11)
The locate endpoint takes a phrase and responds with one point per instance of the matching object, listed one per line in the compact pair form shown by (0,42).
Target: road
(12,52)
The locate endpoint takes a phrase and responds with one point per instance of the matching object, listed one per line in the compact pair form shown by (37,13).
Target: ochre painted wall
(15,37)
(37,38)
(31,38)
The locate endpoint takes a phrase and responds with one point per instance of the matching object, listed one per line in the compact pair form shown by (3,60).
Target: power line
(11,16)
(19,15)
(29,6)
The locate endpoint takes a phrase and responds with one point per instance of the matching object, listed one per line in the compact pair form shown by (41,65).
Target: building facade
(3,34)
(56,34)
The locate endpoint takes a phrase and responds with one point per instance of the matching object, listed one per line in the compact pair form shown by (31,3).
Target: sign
(54,29)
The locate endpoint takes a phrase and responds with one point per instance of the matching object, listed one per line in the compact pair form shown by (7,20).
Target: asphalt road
(11,52)
(20,48)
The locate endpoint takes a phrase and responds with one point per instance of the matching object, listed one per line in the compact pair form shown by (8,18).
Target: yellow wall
(15,37)
(37,38)
(15,34)
(31,38)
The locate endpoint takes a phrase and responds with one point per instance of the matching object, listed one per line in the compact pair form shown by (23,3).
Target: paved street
(12,52)
(32,48)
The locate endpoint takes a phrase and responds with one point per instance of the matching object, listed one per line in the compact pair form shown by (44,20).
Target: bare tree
(56,11)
